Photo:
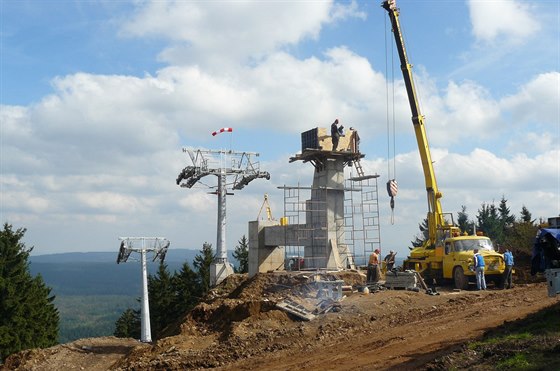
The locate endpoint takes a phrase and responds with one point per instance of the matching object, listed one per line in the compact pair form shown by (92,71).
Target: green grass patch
(517,362)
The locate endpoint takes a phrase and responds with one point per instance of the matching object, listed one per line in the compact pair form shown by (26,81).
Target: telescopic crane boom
(438,227)
(446,254)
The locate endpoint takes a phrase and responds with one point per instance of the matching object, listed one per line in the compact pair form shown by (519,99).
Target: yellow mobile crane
(446,254)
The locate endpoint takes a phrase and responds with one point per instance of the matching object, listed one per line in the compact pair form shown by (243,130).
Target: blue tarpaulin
(546,250)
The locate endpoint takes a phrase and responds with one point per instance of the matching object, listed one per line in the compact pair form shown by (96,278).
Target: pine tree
(128,325)
(241,254)
(202,264)
(28,317)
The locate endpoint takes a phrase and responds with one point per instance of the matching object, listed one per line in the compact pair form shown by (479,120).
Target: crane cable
(392,186)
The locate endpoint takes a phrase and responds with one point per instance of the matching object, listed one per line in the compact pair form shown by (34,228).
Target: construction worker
(390,260)
(335,134)
(373,267)
(508,259)
(479,266)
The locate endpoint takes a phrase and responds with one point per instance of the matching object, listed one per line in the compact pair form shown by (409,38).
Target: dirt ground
(240,327)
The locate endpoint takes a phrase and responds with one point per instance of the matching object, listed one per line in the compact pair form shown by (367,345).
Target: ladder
(358,167)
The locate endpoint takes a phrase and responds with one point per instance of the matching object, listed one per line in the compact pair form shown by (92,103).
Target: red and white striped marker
(229,130)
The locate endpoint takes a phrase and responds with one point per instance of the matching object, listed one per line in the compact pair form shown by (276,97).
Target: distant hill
(173,255)
(97,273)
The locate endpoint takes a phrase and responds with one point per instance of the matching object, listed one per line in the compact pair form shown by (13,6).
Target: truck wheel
(461,282)
(499,282)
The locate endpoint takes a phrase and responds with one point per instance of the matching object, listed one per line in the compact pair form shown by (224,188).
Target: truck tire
(461,282)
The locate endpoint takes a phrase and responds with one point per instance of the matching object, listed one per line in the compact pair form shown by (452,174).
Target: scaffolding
(305,209)
(361,217)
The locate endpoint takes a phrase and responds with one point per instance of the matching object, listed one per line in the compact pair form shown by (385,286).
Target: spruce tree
(241,254)
(187,289)
(463,220)
(28,317)
(202,264)
(162,299)
(128,325)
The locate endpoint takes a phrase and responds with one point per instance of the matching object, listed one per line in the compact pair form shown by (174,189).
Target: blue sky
(99,97)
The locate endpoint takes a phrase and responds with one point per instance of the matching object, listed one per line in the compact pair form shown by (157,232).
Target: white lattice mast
(158,246)
(242,168)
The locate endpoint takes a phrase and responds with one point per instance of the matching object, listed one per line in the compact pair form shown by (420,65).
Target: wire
(391,122)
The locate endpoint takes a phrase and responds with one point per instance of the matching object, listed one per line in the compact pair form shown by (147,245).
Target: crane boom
(436,220)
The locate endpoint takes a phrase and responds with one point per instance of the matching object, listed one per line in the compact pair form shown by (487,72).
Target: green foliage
(423,236)
(530,343)
(202,264)
(28,317)
(188,291)
(128,324)
(516,362)
(488,221)
(463,221)
(85,316)
(161,298)
(526,216)
(241,254)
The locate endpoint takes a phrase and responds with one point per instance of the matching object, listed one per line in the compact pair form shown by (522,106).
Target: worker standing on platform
(335,134)
(373,267)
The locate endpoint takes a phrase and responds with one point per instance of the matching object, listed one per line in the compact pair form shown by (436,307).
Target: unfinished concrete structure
(320,231)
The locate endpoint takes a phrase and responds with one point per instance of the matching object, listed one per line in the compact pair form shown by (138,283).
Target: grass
(531,343)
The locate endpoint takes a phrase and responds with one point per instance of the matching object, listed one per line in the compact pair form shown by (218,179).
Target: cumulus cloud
(105,149)
(536,102)
(205,33)
(502,20)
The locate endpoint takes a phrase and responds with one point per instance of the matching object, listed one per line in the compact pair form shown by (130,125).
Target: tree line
(495,222)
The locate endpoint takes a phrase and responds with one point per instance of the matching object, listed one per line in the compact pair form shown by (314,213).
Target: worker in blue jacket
(508,260)
(479,269)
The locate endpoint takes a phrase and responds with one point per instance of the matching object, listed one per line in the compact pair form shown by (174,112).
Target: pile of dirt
(239,322)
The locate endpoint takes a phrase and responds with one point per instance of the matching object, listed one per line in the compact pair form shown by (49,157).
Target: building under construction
(332,224)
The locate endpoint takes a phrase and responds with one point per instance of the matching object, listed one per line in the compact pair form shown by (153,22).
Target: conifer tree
(422,237)
(202,264)
(28,317)
(128,325)
(241,254)
(162,299)
(187,289)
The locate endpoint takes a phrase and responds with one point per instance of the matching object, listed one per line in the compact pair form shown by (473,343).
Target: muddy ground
(240,327)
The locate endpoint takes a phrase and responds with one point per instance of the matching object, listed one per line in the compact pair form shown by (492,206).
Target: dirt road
(243,329)
(403,330)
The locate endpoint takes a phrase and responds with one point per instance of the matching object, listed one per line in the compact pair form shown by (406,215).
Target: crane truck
(447,254)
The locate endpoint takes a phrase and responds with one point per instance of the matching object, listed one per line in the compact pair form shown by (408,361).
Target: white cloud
(203,32)
(508,20)
(537,102)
